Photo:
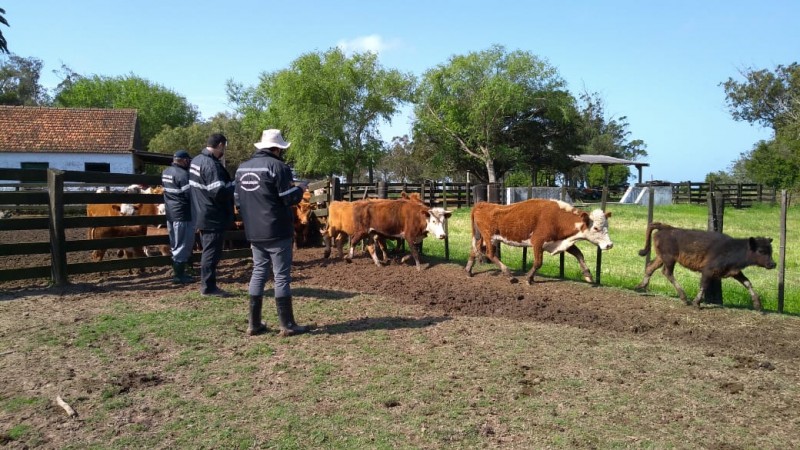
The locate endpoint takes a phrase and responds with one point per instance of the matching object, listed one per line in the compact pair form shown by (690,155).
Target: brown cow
(405,219)
(714,255)
(550,225)
(114,232)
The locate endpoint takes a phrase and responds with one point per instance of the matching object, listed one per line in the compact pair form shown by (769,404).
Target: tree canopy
(329,106)
(466,104)
(157,106)
(3,41)
(770,99)
(19,82)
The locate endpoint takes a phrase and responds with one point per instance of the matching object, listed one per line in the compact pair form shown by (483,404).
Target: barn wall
(120,163)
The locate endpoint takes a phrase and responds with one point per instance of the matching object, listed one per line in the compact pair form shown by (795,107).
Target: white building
(78,139)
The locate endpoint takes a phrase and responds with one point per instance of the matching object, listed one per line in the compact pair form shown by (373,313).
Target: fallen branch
(71,412)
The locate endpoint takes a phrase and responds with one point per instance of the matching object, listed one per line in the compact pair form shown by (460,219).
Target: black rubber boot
(286,318)
(179,274)
(254,324)
(188,277)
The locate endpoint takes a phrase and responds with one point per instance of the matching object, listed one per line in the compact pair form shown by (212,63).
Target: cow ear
(608,214)
(769,240)
(753,243)
(447,214)
(115,207)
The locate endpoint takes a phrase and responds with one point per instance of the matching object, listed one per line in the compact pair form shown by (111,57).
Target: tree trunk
(490,171)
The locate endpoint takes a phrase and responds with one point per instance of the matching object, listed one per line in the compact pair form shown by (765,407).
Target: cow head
(162,209)
(761,252)
(437,220)
(597,231)
(126,209)
(134,189)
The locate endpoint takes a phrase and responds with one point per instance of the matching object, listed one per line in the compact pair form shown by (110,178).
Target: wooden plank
(82,198)
(111,178)
(25,248)
(112,221)
(107,243)
(314,185)
(24,223)
(320,212)
(25,273)
(27,175)
(23,198)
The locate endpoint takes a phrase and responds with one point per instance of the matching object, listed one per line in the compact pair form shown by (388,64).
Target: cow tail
(649,234)
(476,233)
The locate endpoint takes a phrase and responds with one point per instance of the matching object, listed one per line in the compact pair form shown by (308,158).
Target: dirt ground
(444,287)
(755,341)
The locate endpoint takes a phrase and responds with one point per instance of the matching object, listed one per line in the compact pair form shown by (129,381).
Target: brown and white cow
(714,255)
(116,232)
(550,225)
(406,219)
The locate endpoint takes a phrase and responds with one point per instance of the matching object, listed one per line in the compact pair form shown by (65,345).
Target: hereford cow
(406,219)
(340,224)
(550,225)
(115,232)
(714,255)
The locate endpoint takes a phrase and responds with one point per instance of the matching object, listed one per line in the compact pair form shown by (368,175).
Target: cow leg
(381,243)
(576,252)
(538,255)
(753,295)
(414,248)
(648,272)
(493,258)
(370,245)
(473,252)
(355,238)
(326,239)
(340,245)
(705,281)
(669,268)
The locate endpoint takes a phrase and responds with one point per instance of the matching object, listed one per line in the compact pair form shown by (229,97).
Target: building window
(34,165)
(97,167)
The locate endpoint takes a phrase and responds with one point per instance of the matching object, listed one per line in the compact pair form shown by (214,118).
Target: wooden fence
(737,195)
(53,203)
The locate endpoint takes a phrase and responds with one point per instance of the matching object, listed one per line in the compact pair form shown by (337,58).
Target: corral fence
(55,201)
(736,195)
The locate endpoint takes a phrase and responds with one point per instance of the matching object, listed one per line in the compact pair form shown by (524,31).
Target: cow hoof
(588,280)
(513,280)
(348,261)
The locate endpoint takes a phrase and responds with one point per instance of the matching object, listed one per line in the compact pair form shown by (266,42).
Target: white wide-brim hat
(270,139)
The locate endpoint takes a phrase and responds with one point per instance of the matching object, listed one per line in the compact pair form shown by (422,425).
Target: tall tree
(600,134)
(19,82)
(465,104)
(193,139)
(3,41)
(329,106)
(771,99)
(157,106)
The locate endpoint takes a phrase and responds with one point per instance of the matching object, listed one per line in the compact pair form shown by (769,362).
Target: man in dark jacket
(212,208)
(178,209)
(265,195)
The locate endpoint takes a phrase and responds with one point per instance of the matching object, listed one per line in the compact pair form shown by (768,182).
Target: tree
(602,135)
(771,99)
(399,163)
(156,105)
(193,139)
(329,106)
(3,41)
(465,105)
(19,82)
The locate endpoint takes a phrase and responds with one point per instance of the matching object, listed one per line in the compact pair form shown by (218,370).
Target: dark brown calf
(714,255)
(116,232)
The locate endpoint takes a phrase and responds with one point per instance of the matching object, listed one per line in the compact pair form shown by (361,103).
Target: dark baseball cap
(182,154)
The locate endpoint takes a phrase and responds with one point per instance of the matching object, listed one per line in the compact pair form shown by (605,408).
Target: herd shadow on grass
(379,323)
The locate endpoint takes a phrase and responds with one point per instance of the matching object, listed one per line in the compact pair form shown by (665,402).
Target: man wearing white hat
(265,194)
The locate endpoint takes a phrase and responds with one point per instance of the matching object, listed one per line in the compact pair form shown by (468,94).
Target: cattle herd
(543,225)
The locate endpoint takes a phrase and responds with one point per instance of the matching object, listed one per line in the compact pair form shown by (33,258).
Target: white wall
(68,161)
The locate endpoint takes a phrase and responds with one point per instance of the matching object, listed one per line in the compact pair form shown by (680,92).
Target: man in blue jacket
(212,208)
(265,195)
(178,209)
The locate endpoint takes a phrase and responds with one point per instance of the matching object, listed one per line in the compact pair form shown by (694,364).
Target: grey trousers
(277,254)
(181,240)
(212,253)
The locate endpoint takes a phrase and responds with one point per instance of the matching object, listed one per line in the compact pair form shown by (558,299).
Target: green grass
(623,267)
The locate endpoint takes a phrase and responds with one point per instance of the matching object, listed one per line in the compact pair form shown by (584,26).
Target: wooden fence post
(651,195)
(58,253)
(782,250)
(716,209)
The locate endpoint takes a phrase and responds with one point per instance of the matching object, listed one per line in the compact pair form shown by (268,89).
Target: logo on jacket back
(249,181)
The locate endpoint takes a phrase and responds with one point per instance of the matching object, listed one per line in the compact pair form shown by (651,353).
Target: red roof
(68,130)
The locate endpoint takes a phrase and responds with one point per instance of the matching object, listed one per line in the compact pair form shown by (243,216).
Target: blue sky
(657,63)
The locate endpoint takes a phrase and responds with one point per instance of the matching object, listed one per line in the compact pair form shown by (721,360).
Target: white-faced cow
(406,219)
(714,255)
(549,225)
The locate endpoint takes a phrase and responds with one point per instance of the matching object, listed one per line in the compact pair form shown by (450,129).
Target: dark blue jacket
(265,194)
(212,193)
(177,198)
